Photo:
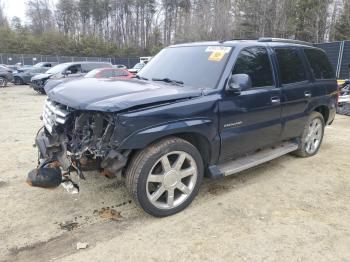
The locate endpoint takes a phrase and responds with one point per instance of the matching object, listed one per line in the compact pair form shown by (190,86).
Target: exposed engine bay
(70,139)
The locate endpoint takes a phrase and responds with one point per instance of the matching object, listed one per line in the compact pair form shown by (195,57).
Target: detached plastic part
(70,186)
(45,177)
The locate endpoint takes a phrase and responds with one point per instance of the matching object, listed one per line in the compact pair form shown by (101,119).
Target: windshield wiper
(140,77)
(168,80)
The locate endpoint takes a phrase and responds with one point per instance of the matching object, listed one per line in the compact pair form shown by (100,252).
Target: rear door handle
(275,100)
(307,94)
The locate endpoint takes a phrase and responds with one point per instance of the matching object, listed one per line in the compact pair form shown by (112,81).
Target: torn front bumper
(53,148)
(56,163)
(52,160)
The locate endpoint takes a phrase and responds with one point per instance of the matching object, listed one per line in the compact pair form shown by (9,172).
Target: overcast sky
(16,8)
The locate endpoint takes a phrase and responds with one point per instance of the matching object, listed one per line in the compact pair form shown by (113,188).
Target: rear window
(120,73)
(320,65)
(90,66)
(290,66)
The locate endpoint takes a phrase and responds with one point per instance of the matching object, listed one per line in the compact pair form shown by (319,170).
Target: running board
(243,163)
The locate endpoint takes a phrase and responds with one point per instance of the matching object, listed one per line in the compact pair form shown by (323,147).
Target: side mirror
(239,82)
(67,72)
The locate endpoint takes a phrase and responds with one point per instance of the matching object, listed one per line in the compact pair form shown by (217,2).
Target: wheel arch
(18,77)
(198,140)
(324,111)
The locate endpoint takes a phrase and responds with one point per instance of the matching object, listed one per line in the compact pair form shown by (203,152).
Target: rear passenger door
(296,90)
(252,119)
(323,77)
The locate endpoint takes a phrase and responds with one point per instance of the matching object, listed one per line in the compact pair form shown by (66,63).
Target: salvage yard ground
(289,209)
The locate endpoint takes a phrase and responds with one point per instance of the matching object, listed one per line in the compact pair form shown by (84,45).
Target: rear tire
(312,137)
(165,177)
(3,82)
(17,80)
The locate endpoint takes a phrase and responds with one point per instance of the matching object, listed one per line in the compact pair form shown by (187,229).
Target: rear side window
(255,62)
(120,73)
(320,65)
(290,66)
(106,73)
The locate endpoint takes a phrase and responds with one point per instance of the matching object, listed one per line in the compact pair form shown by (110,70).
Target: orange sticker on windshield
(216,56)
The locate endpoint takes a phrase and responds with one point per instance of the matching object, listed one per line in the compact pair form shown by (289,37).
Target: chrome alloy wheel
(171,180)
(314,136)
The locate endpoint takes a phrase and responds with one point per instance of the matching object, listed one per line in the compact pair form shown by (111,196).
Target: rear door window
(320,65)
(255,62)
(106,73)
(119,73)
(290,66)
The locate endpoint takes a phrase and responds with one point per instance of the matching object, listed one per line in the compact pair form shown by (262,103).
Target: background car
(120,66)
(46,64)
(5,76)
(136,68)
(64,72)
(109,73)
(24,76)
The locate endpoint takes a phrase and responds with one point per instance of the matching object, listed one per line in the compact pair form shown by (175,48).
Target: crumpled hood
(115,95)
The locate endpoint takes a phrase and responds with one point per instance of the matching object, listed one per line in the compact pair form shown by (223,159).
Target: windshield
(93,73)
(57,69)
(198,66)
(39,64)
(138,65)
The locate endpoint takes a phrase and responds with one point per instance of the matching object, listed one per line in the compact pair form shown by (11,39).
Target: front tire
(312,137)
(165,177)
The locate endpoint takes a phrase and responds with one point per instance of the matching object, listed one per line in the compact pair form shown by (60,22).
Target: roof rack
(283,40)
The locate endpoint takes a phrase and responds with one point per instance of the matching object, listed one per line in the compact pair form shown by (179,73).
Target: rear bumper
(8,77)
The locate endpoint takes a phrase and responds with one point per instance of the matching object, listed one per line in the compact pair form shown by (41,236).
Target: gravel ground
(289,209)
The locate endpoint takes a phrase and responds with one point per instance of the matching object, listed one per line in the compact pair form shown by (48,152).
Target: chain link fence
(32,59)
(339,56)
(129,62)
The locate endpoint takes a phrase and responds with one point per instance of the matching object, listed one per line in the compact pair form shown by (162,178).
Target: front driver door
(252,119)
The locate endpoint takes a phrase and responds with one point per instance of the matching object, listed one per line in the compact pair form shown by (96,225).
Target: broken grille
(54,114)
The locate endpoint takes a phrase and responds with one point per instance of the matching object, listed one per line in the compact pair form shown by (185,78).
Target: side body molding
(144,137)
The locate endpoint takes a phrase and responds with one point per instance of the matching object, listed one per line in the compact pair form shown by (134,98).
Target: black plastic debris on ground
(68,225)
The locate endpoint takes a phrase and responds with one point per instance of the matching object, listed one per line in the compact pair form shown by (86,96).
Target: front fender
(144,137)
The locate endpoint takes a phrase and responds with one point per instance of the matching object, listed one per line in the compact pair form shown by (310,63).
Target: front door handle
(275,100)
(307,94)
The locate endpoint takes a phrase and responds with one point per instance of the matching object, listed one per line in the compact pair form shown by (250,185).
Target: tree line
(142,27)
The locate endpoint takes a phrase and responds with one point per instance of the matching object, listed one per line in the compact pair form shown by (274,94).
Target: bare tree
(40,15)
(3,18)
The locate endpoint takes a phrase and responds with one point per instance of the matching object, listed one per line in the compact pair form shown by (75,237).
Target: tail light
(337,96)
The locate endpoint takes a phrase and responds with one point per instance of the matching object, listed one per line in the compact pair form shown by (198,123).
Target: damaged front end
(74,140)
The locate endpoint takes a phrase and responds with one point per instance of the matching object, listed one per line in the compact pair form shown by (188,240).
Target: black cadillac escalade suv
(200,109)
